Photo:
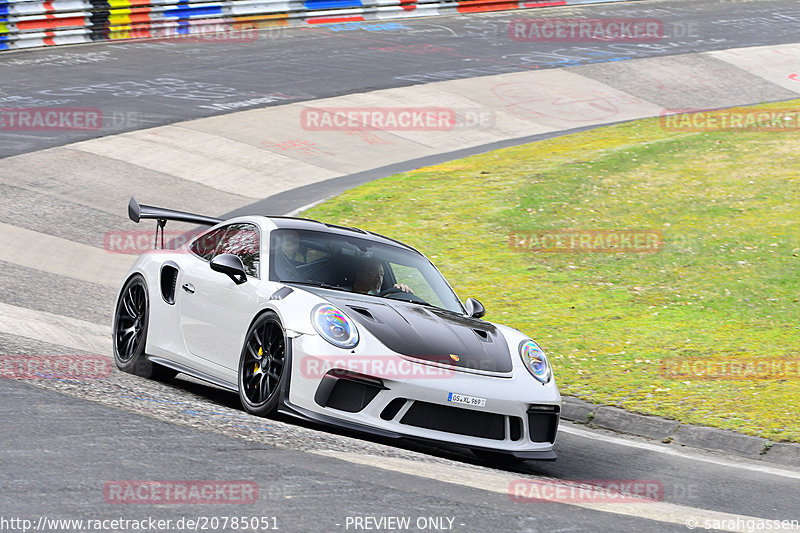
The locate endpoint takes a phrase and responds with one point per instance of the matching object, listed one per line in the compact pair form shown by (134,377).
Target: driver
(369,278)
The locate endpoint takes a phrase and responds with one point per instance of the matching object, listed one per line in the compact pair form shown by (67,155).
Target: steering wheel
(398,294)
(390,290)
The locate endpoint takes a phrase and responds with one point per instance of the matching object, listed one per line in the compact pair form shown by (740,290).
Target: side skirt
(194,373)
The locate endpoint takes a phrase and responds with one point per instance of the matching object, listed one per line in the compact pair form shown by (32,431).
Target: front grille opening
(543,422)
(455,420)
(515,427)
(345,394)
(392,408)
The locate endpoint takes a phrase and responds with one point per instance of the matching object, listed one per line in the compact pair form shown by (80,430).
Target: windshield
(358,265)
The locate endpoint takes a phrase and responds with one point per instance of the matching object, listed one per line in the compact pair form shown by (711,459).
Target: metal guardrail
(32,24)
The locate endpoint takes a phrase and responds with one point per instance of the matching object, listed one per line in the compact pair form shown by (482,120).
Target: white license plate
(466,400)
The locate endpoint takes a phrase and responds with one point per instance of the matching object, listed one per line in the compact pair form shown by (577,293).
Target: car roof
(314,225)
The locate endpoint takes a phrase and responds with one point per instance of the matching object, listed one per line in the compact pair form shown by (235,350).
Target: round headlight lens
(334,326)
(535,361)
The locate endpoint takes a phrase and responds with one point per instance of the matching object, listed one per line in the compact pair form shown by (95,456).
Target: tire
(131,318)
(262,366)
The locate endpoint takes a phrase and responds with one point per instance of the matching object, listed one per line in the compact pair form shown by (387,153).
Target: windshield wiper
(314,284)
(418,302)
(426,304)
(438,308)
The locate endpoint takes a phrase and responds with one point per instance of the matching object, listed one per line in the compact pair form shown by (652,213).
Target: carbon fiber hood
(427,333)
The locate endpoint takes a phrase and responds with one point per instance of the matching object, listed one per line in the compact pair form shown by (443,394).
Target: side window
(291,245)
(206,244)
(293,254)
(242,240)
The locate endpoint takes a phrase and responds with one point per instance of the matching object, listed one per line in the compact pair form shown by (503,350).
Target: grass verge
(724,287)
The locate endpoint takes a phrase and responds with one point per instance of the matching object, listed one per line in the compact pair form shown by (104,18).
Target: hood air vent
(363,312)
(482,335)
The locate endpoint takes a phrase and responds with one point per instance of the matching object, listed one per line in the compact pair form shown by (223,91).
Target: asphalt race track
(290,65)
(64,441)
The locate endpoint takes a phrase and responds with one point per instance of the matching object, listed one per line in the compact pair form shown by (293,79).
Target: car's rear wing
(138,212)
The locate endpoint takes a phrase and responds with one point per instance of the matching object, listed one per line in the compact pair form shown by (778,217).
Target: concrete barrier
(26,24)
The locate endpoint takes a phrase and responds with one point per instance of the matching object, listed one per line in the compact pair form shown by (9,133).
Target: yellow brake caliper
(260,354)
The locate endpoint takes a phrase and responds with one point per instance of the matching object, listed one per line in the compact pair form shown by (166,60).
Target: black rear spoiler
(138,212)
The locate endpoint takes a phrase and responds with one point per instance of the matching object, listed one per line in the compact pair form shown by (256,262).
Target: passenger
(290,246)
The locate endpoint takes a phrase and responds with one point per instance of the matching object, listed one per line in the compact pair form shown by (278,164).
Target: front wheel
(130,332)
(262,366)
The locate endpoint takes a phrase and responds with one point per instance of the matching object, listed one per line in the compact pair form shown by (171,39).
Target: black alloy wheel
(130,332)
(262,365)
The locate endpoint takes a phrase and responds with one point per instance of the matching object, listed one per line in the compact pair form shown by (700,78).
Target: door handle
(188,287)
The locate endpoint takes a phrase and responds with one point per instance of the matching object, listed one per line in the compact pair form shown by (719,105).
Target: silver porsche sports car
(336,325)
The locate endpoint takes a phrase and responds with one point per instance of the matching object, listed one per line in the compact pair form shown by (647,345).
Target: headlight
(334,326)
(535,361)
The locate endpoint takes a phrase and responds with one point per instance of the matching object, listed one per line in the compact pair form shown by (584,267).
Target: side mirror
(475,309)
(231,265)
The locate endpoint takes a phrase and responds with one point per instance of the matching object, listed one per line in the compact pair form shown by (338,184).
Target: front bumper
(406,398)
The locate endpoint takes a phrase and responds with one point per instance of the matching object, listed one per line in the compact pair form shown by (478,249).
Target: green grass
(726,284)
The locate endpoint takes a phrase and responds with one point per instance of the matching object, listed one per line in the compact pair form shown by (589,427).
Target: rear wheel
(130,332)
(262,366)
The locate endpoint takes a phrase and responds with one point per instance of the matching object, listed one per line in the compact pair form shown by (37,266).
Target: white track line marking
(769,470)
(296,212)
(499,482)
(55,329)
(63,257)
